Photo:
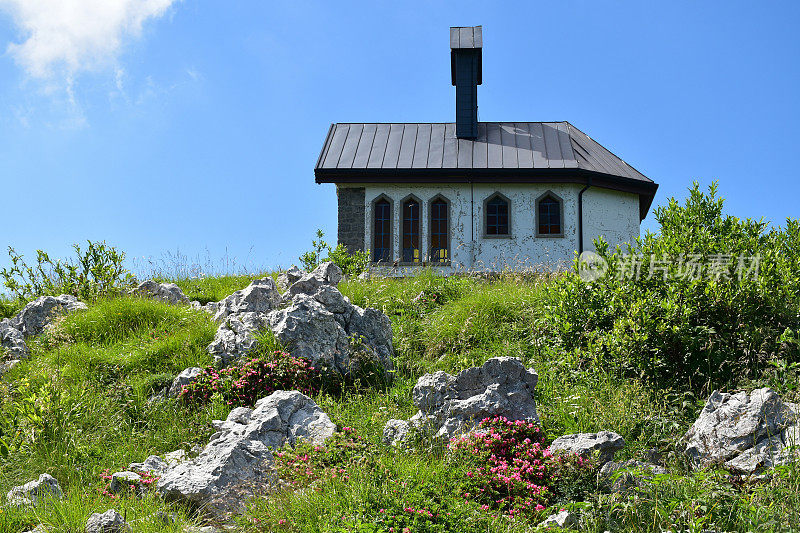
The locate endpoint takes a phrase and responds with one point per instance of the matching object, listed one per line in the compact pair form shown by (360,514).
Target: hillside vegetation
(636,355)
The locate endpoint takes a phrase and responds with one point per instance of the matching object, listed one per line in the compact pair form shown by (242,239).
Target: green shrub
(673,328)
(94,273)
(352,264)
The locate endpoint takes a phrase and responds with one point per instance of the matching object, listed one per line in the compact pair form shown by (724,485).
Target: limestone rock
(744,432)
(36,315)
(325,274)
(239,456)
(183,379)
(316,322)
(396,431)
(325,328)
(451,405)
(563,519)
(235,337)
(166,292)
(285,279)
(261,296)
(586,444)
(633,474)
(109,522)
(33,492)
(121,481)
(12,341)
(157,465)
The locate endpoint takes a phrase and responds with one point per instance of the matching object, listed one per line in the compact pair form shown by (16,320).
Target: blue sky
(163,126)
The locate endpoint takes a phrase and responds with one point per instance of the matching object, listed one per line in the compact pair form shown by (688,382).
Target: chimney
(466,44)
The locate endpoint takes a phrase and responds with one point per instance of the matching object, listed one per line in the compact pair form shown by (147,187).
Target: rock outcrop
(157,465)
(236,337)
(261,296)
(563,519)
(238,458)
(166,292)
(36,315)
(12,341)
(603,443)
(183,379)
(33,492)
(285,279)
(451,405)
(312,319)
(109,522)
(745,432)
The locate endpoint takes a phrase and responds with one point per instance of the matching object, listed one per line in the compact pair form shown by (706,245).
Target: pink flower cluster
(146,480)
(248,380)
(514,469)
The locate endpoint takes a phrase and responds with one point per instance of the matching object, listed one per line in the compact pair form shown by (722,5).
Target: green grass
(84,402)
(214,289)
(9,306)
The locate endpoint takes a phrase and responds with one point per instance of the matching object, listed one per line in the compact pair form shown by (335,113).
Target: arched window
(411,231)
(498,216)
(549,211)
(440,231)
(382,230)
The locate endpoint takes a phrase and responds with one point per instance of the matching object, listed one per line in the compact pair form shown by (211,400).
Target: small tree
(352,264)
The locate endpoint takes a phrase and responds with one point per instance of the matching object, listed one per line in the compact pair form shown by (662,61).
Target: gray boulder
(183,379)
(261,296)
(109,522)
(36,315)
(451,405)
(325,274)
(285,279)
(123,481)
(315,322)
(744,432)
(12,341)
(396,431)
(324,327)
(235,337)
(563,519)
(33,492)
(621,477)
(604,443)
(238,458)
(166,292)
(157,465)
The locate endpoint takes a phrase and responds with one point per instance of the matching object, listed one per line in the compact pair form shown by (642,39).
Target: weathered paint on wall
(612,214)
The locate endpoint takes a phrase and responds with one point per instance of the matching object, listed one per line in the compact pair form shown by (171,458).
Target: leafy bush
(672,327)
(249,379)
(351,264)
(513,471)
(96,272)
(352,484)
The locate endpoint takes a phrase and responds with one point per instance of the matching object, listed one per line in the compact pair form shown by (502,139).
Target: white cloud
(65,37)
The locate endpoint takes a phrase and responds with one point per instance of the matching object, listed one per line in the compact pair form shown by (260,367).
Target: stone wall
(351,217)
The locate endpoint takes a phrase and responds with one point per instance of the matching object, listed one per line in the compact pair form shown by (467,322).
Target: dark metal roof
(510,151)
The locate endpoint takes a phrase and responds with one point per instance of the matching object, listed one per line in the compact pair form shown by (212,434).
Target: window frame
(373,204)
(560,201)
(449,248)
(421,204)
(507,200)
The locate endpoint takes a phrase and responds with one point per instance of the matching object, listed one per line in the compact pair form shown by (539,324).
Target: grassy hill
(638,357)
